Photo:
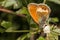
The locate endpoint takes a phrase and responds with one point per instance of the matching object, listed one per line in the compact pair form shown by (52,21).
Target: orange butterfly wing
(32,7)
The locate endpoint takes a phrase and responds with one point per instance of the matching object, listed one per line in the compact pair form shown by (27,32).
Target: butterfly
(39,12)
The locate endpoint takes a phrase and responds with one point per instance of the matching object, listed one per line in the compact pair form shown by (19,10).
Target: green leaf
(22,37)
(57,30)
(2,30)
(54,20)
(8,3)
(40,38)
(17,4)
(23,10)
(29,35)
(55,1)
(1,0)
(10,29)
(53,36)
(6,24)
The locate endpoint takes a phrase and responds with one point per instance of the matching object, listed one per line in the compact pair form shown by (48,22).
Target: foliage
(16,22)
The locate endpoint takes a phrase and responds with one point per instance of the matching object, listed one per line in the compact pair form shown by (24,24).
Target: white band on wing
(41,10)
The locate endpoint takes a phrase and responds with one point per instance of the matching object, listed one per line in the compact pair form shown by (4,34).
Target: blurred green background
(13,26)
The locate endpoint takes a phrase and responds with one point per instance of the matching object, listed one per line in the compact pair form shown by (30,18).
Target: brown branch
(5,10)
(10,12)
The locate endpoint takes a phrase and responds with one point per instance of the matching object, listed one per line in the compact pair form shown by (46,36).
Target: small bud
(46,29)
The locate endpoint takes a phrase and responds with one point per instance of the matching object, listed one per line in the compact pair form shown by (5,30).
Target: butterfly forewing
(32,9)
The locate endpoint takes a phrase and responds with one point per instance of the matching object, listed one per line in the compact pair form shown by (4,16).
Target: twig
(10,12)
(47,36)
(32,37)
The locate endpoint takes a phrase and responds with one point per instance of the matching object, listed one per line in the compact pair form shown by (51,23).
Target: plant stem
(44,1)
(47,36)
(19,31)
(32,37)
